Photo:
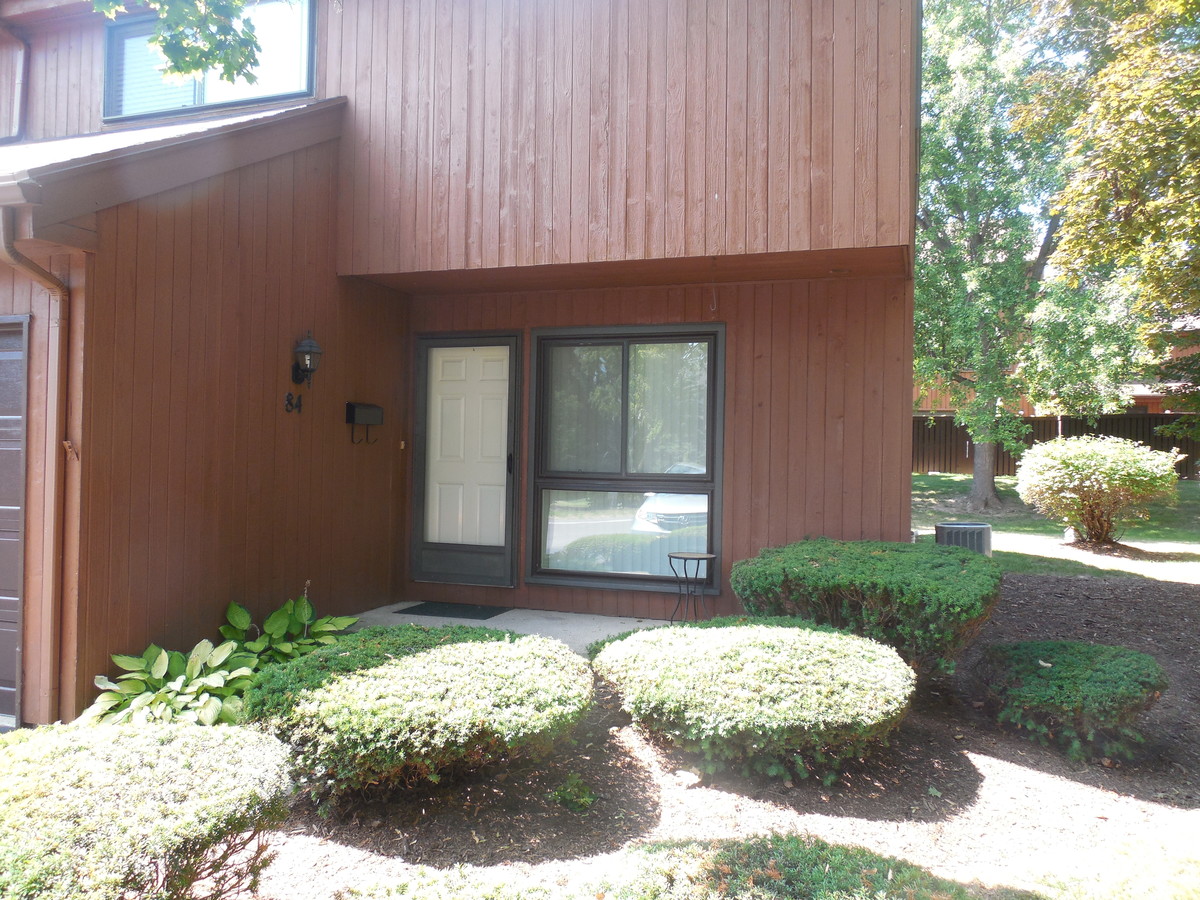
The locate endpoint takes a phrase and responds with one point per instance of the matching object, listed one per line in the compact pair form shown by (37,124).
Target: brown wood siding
(817,439)
(65,87)
(198,488)
(532,132)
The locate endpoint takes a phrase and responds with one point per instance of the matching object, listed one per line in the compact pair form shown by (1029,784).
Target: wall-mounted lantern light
(308,357)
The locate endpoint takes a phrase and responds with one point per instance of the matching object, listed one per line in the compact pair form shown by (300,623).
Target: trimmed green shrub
(770,697)
(791,867)
(1086,697)
(94,813)
(202,688)
(761,868)
(389,708)
(925,600)
(1095,484)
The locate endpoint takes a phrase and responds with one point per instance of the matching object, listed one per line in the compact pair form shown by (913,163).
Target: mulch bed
(507,815)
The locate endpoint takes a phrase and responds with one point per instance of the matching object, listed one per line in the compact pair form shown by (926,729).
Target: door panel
(465,441)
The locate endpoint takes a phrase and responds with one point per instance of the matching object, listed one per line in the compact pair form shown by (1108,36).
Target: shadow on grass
(1032,564)
(1125,551)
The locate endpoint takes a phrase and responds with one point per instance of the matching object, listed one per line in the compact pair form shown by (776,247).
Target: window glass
(136,85)
(623,462)
(668,406)
(621,532)
(583,410)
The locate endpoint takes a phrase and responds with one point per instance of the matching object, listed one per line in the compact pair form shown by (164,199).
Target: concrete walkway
(576,630)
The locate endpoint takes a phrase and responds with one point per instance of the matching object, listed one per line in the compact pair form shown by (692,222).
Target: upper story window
(136,86)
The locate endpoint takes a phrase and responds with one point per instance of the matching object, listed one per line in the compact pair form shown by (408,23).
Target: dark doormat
(453,610)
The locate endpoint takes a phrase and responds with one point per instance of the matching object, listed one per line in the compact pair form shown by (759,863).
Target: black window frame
(127,26)
(542,479)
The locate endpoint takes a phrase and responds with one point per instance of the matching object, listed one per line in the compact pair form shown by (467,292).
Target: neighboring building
(575,252)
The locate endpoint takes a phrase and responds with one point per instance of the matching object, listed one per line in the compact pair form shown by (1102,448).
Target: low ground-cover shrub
(787,867)
(1095,484)
(392,707)
(1086,697)
(925,600)
(125,811)
(772,697)
(761,868)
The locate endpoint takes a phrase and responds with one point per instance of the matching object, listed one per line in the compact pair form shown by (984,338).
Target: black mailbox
(364,414)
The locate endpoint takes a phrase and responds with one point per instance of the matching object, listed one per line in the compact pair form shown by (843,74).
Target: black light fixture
(308,357)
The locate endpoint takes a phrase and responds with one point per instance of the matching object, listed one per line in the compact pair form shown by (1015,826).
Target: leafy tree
(198,35)
(1121,78)
(987,324)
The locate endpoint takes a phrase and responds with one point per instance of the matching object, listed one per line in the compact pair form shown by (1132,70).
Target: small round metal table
(690,581)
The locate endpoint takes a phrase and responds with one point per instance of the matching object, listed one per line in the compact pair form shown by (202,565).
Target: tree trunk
(983,479)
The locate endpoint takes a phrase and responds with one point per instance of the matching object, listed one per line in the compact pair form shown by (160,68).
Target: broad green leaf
(210,711)
(221,653)
(198,657)
(150,654)
(159,663)
(105,683)
(238,616)
(303,611)
(231,633)
(177,665)
(276,624)
(132,686)
(231,710)
(130,663)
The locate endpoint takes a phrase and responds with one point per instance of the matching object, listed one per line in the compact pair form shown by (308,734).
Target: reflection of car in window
(662,512)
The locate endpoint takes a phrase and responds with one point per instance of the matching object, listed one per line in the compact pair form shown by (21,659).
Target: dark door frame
(20,324)
(464,563)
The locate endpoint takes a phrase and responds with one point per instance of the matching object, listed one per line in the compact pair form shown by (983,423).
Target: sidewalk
(576,630)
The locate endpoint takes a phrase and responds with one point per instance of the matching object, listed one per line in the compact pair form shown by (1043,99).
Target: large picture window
(626,452)
(135,85)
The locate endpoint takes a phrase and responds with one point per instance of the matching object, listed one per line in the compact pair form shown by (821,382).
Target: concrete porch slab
(576,630)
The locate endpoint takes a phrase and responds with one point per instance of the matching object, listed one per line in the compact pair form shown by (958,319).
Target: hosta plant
(204,687)
(290,632)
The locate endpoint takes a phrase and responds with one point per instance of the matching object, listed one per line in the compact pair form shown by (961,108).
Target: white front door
(465,442)
(466,477)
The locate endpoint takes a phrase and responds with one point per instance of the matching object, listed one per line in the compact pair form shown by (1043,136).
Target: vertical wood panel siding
(198,488)
(526,132)
(66,79)
(813,371)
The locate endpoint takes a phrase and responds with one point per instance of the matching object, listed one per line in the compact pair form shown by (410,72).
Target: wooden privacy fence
(941,446)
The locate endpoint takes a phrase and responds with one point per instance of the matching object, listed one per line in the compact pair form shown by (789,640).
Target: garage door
(12,503)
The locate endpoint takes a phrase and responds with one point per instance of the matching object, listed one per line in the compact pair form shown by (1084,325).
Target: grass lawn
(935,499)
